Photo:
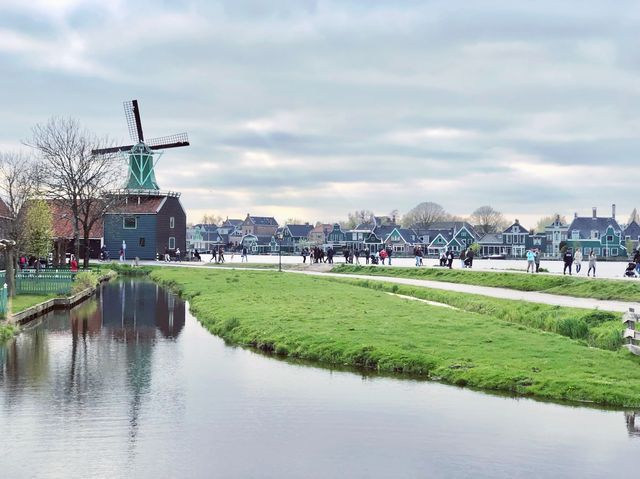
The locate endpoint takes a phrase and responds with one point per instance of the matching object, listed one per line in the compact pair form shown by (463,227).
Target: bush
(84,280)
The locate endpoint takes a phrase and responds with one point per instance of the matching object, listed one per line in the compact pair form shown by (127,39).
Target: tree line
(58,165)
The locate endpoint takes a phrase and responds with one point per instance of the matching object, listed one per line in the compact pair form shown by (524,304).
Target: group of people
(569,258)
(533,260)
(167,254)
(351,255)
(447,257)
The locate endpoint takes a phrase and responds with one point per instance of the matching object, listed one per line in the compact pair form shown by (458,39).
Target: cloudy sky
(311,109)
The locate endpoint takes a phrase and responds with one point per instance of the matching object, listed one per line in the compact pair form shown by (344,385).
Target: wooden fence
(44,282)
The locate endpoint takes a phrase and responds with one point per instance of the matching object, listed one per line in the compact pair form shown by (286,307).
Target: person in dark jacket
(367,255)
(389,253)
(567,258)
(450,257)
(470,255)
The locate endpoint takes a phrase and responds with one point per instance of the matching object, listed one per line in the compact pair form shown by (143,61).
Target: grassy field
(562,285)
(24,301)
(600,329)
(343,324)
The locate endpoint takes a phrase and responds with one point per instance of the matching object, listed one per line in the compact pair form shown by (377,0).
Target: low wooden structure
(631,335)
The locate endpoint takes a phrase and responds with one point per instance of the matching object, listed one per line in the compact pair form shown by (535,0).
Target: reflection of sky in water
(124,387)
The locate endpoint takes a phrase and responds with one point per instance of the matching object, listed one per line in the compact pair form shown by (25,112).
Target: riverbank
(335,323)
(605,289)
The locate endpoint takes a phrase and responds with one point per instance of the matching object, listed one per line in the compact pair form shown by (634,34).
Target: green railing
(3,302)
(44,282)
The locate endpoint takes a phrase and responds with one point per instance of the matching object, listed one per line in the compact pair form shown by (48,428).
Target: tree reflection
(632,427)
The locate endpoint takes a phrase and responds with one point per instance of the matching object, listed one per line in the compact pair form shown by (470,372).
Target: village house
(295,237)
(318,235)
(603,235)
(556,233)
(259,225)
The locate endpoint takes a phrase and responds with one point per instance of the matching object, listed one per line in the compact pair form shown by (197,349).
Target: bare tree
(357,217)
(424,215)
(18,184)
(73,176)
(488,220)
(211,219)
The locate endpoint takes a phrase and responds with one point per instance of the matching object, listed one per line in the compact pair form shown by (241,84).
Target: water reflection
(632,427)
(82,356)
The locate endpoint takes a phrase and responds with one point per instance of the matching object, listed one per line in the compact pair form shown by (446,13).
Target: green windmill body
(141,175)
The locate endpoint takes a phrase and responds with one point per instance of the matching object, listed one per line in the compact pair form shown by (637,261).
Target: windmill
(141,153)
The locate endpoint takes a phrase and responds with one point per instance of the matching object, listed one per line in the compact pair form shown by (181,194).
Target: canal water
(130,385)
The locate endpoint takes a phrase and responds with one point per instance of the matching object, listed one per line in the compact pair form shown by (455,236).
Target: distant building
(603,235)
(148,222)
(295,237)
(556,233)
(259,225)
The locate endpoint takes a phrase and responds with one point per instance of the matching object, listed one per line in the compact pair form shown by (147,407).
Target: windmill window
(172,242)
(172,222)
(141,242)
(130,222)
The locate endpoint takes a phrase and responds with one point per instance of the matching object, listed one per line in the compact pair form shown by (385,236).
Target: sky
(310,109)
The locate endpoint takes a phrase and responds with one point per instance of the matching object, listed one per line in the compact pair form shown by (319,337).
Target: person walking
(470,255)
(220,254)
(389,253)
(243,257)
(537,260)
(383,255)
(577,259)
(531,261)
(178,254)
(330,253)
(592,263)
(356,254)
(636,260)
(418,254)
(366,255)
(74,264)
(450,257)
(443,258)
(121,253)
(463,256)
(567,258)
(303,253)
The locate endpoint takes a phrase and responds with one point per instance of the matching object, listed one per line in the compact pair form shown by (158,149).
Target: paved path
(502,293)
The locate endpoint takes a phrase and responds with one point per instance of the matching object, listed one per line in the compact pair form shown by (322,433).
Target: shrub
(84,280)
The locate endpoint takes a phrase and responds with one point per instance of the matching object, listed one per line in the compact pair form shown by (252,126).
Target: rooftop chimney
(613,211)
(595,212)
(575,215)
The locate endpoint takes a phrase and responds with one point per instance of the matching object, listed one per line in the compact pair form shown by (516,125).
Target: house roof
(632,230)
(262,220)
(323,228)
(232,222)
(139,205)
(299,231)
(368,226)
(491,238)
(452,226)
(586,224)
(62,217)
(521,229)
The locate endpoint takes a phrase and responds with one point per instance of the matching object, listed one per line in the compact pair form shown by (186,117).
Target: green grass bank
(562,285)
(336,323)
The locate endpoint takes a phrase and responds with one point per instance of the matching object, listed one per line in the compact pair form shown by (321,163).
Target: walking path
(501,293)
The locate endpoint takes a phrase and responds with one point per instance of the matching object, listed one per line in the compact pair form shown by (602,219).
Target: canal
(130,385)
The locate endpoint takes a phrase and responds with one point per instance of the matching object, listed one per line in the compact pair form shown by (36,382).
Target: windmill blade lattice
(130,114)
(170,141)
